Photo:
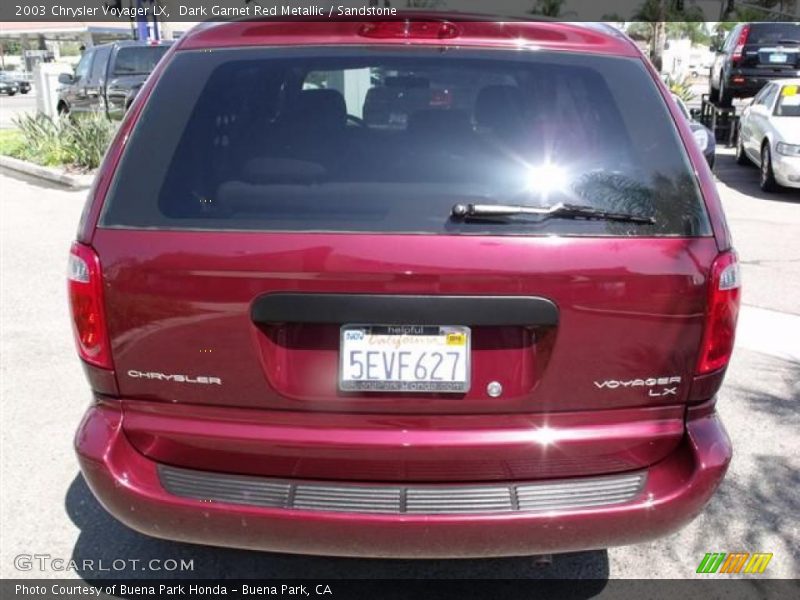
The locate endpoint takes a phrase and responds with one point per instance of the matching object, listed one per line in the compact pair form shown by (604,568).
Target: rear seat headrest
(437,121)
(318,108)
(499,107)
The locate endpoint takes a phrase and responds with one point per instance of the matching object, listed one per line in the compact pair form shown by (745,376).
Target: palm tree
(547,8)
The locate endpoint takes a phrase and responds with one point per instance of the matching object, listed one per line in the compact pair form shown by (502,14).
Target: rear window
(384,140)
(774,33)
(789,102)
(139,60)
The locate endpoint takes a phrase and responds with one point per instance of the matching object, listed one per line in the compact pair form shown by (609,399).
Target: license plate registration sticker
(404,358)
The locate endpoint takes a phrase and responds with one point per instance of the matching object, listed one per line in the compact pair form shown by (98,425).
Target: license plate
(778,57)
(404,358)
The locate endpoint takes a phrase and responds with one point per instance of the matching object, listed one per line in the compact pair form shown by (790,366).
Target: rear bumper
(744,83)
(129,487)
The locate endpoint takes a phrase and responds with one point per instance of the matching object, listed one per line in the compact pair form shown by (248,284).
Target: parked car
(701,134)
(752,55)
(497,330)
(23,84)
(769,135)
(8,86)
(108,77)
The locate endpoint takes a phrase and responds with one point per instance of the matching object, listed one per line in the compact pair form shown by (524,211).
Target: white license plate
(404,358)
(778,58)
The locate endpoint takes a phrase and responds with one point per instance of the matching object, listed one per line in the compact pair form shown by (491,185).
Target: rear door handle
(387,309)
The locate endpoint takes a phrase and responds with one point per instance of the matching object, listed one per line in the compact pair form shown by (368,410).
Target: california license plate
(404,358)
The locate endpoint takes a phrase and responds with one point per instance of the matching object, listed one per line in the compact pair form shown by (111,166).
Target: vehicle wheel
(63,110)
(25,92)
(725,97)
(768,183)
(713,94)
(11,93)
(741,155)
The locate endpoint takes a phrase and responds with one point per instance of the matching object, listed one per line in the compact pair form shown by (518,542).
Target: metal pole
(156,35)
(141,23)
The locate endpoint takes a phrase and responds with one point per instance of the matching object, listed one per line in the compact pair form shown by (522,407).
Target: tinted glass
(769,96)
(99,64)
(773,33)
(376,140)
(138,60)
(82,70)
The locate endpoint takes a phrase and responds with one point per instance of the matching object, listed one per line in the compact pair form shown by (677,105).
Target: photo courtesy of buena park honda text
(399,299)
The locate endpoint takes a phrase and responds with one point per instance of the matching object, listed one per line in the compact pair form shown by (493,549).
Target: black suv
(752,55)
(108,77)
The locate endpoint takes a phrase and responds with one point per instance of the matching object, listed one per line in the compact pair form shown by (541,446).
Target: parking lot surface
(12,106)
(46,507)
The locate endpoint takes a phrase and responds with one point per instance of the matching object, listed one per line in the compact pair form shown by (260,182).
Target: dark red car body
(162,456)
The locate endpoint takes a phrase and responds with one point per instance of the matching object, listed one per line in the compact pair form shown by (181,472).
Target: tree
(762,10)
(547,8)
(653,16)
(695,31)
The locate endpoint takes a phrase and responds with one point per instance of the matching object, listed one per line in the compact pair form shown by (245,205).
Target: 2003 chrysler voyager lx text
(421,288)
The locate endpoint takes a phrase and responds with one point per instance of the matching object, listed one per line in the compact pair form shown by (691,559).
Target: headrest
(436,122)
(499,107)
(318,108)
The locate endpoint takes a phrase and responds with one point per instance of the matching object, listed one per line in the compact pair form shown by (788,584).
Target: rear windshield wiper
(560,210)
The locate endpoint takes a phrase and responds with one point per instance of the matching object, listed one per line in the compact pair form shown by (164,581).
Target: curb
(51,174)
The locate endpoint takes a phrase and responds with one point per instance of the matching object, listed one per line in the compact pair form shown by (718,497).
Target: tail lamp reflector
(84,281)
(724,295)
(738,50)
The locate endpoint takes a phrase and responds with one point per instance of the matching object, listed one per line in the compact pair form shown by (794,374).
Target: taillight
(724,293)
(410,29)
(738,50)
(85,289)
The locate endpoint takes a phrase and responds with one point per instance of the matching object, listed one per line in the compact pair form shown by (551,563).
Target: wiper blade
(560,210)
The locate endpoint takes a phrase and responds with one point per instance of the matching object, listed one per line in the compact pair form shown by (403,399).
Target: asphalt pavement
(12,106)
(46,508)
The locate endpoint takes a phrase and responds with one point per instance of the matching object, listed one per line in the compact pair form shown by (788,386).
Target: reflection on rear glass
(343,139)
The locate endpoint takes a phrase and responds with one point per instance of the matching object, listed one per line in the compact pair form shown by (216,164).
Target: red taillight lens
(86,302)
(441,30)
(723,309)
(738,51)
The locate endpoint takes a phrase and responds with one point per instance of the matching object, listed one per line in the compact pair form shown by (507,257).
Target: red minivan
(410,288)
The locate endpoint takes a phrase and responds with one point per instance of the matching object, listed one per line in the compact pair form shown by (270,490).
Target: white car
(769,134)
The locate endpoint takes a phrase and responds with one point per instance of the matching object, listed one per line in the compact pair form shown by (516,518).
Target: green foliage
(40,135)
(652,11)
(70,49)
(725,27)
(547,8)
(682,88)
(11,47)
(640,30)
(78,143)
(11,142)
(765,10)
(86,140)
(693,30)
